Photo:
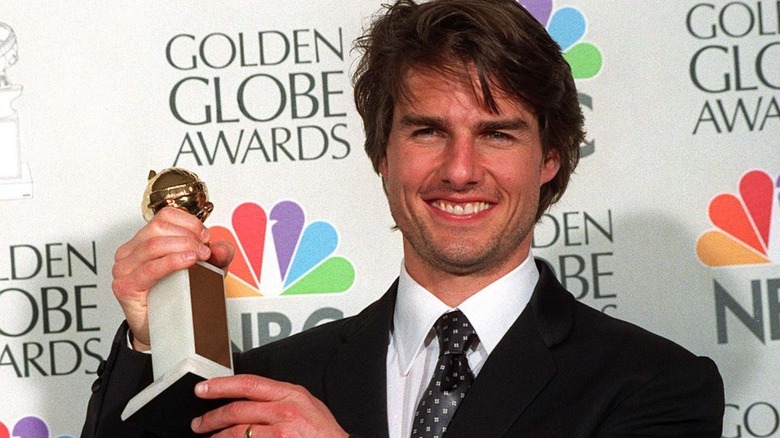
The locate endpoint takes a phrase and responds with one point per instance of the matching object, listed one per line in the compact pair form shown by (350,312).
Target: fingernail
(201,388)
(204,251)
(195,424)
(205,235)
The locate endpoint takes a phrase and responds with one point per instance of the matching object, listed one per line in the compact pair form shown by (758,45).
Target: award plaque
(187,321)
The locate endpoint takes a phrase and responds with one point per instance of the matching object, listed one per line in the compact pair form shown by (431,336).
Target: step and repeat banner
(672,220)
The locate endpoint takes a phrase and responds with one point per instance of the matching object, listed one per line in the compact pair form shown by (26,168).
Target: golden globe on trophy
(178,188)
(187,320)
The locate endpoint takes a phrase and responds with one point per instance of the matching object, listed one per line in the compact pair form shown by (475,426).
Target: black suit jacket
(562,370)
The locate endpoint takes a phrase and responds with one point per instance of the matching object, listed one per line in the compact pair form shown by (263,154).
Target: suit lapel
(356,377)
(519,367)
(512,377)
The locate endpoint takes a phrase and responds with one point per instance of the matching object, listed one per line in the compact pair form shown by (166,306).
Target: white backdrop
(681,101)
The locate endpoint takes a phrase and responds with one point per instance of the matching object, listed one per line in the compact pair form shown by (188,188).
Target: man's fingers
(247,386)
(221,253)
(258,430)
(237,412)
(168,222)
(286,409)
(158,250)
(149,273)
(180,218)
(247,412)
(265,401)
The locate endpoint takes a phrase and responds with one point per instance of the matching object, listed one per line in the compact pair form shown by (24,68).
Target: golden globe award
(187,321)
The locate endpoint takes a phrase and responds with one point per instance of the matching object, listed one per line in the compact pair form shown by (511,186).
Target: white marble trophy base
(18,187)
(190,342)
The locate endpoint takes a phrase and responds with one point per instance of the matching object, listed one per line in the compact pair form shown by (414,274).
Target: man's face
(463,183)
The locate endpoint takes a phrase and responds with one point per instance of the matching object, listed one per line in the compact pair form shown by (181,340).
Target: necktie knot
(455,333)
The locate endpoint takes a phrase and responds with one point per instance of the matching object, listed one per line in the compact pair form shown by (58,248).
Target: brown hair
(506,47)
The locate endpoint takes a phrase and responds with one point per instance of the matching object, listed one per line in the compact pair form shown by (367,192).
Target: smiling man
(463,181)
(472,121)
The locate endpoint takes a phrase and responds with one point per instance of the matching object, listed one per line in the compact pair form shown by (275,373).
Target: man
(472,121)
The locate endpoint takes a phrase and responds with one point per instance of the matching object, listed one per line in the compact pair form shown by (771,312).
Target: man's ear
(383,173)
(551,165)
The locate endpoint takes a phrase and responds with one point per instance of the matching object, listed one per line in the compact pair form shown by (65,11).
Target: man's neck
(455,288)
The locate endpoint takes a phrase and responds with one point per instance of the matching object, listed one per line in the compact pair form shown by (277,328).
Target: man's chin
(460,261)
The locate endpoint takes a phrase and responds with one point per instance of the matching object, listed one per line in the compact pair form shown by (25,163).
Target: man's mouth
(461,209)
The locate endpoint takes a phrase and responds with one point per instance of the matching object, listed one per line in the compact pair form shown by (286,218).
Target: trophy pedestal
(20,187)
(15,180)
(190,343)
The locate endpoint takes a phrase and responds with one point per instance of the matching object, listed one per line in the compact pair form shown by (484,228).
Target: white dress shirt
(414,350)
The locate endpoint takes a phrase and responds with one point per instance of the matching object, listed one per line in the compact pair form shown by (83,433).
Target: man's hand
(272,408)
(171,241)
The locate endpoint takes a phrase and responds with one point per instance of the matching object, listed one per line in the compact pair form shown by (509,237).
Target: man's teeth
(462,209)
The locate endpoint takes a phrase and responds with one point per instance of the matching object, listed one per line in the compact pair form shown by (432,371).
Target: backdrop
(672,220)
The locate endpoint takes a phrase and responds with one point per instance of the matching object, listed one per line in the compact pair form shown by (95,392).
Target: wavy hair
(499,41)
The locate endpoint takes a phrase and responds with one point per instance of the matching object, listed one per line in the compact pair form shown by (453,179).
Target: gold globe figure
(178,188)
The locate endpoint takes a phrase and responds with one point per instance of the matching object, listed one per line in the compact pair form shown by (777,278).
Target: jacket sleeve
(120,377)
(685,400)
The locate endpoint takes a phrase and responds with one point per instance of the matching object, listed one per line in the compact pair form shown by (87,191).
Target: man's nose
(461,168)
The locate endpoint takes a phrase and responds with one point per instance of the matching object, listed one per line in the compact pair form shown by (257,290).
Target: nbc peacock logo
(29,427)
(280,254)
(567,26)
(747,224)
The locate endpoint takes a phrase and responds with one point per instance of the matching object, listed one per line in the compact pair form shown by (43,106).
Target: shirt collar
(491,311)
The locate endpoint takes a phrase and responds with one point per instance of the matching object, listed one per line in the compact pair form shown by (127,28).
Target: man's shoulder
(568,325)
(642,374)
(620,337)
(626,357)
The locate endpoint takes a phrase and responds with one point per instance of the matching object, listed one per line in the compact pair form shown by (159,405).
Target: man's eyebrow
(416,120)
(516,124)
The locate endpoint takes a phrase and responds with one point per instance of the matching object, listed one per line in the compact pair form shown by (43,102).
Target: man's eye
(496,135)
(424,132)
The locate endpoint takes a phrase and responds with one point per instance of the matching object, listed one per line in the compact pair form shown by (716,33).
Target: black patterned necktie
(451,378)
